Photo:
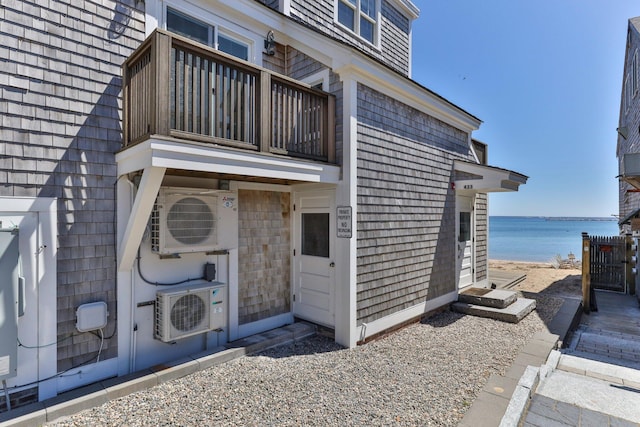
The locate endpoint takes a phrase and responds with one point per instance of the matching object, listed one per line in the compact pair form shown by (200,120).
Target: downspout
(134,332)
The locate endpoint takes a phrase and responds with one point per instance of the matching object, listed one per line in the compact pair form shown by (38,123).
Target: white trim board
(264,325)
(367,330)
(168,153)
(46,275)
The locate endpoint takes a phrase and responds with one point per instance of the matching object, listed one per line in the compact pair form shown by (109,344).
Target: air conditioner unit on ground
(184,220)
(186,311)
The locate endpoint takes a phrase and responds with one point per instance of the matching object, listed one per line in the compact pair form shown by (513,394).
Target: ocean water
(541,239)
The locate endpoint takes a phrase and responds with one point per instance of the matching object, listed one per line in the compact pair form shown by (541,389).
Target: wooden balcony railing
(178,88)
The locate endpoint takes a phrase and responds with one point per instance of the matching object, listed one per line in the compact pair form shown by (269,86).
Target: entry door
(314,268)
(464,223)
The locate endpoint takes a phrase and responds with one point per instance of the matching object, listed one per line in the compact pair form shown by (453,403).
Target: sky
(545,77)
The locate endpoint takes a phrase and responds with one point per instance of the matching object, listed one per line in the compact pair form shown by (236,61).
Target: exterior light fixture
(270,44)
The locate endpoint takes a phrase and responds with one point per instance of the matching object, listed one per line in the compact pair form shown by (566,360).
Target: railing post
(586,276)
(126,89)
(265,111)
(330,130)
(161,96)
(630,278)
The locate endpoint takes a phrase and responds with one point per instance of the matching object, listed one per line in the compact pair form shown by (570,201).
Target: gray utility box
(9,271)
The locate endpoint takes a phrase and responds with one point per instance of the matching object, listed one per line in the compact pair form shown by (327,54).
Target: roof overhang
(476,178)
(160,152)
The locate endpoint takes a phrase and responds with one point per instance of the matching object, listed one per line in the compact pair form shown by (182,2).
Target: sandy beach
(544,278)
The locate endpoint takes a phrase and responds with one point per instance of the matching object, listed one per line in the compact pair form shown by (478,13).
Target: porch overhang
(630,169)
(472,178)
(627,219)
(161,152)
(155,155)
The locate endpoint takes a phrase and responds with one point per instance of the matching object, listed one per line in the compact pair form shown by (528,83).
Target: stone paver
(547,412)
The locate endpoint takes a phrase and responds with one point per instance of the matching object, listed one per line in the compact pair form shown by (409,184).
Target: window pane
(232,47)
(368,7)
(366,29)
(465,227)
(188,27)
(315,234)
(346,15)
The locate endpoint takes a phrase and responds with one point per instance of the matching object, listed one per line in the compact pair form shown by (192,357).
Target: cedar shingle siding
(406,208)
(60,97)
(630,117)
(394,31)
(394,40)
(264,283)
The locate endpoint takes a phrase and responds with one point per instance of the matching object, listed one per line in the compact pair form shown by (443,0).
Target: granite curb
(99,393)
(504,399)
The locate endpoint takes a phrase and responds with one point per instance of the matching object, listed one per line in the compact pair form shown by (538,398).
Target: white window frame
(218,25)
(635,73)
(236,38)
(358,14)
(627,92)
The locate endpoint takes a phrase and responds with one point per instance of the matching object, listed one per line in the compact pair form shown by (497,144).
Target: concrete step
(498,298)
(512,314)
(615,374)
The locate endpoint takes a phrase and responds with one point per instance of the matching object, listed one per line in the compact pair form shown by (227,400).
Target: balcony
(174,87)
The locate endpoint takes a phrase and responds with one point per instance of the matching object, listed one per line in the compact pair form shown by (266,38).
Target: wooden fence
(605,266)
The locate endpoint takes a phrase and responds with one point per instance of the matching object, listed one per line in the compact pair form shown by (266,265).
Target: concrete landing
(505,279)
(496,298)
(512,314)
(603,399)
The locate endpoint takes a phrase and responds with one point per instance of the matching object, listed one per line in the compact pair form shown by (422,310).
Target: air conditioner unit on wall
(186,311)
(184,220)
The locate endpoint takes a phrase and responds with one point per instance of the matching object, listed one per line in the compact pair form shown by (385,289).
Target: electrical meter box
(9,271)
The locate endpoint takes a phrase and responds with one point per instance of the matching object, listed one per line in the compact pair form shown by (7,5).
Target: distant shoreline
(559,218)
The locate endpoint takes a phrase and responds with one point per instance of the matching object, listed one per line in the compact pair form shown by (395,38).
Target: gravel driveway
(425,374)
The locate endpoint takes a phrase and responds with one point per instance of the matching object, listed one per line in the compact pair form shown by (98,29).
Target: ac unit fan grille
(190,221)
(188,312)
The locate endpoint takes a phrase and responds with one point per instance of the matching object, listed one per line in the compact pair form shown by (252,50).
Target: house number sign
(344,221)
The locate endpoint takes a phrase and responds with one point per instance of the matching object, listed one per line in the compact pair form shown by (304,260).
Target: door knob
(333,264)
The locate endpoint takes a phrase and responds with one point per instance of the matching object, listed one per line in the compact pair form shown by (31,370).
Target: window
(635,73)
(233,47)
(359,16)
(199,31)
(627,92)
(315,234)
(464,233)
(189,27)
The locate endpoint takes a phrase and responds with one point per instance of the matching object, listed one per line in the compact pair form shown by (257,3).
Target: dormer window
(359,16)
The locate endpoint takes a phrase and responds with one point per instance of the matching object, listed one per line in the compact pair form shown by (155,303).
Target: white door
(314,237)
(464,223)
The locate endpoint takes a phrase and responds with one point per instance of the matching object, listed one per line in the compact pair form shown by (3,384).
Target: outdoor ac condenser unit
(184,220)
(186,311)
